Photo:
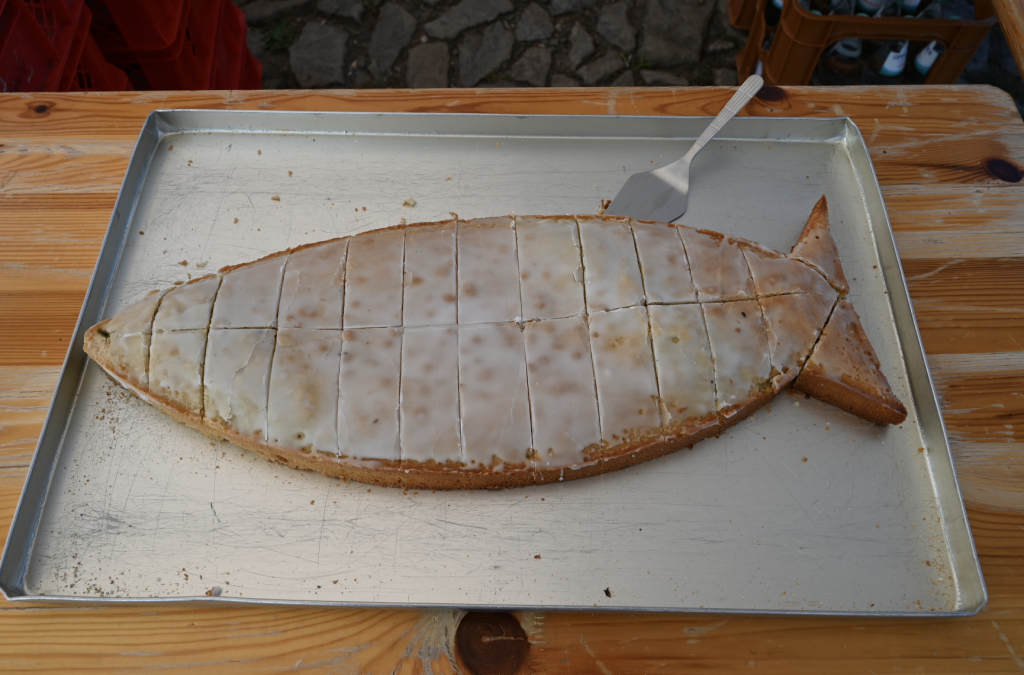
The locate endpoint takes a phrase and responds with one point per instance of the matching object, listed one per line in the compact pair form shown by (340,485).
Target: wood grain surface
(950,161)
(1011,20)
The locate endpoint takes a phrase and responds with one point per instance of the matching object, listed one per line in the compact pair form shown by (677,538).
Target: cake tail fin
(817,248)
(843,370)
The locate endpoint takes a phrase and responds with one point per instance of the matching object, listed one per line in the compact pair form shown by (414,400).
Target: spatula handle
(735,104)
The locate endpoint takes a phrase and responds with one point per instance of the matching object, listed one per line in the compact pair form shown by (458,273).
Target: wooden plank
(958,226)
(968,306)
(272,639)
(1011,20)
(932,111)
(75,166)
(973,158)
(983,406)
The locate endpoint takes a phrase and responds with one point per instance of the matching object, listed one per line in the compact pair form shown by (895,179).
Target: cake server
(662,194)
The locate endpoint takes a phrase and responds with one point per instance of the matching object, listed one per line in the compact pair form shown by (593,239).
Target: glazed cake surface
(496,352)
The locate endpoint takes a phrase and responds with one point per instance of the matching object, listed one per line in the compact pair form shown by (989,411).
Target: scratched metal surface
(801,508)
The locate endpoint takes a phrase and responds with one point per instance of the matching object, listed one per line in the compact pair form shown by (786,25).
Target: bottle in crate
(842,64)
(923,55)
(885,65)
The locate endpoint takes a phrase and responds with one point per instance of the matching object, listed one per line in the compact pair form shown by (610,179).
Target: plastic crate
(801,38)
(230,49)
(37,38)
(94,73)
(742,13)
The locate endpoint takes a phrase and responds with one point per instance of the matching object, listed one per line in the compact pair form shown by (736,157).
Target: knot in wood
(771,94)
(1003,170)
(491,643)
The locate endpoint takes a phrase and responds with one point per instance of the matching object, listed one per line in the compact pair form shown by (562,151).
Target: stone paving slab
(557,43)
(464,43)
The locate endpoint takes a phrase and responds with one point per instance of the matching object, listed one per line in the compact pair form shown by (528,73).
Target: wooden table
(950,161)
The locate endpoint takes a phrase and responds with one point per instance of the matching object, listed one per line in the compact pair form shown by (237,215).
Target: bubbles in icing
(368,404)
(610,266)
(549,267)
(627,389)
(430,395)
(373,279)
(488,271)
(686,375)
(249,295)
(313,289)
(176,367)
(429,275)
(740,350)
(493,396)
(773,274)
(236,380)
(563,400)
(665,270)
(794,323)
(403,380)
(187,307)
(136,318)
(302,410)
(717,266)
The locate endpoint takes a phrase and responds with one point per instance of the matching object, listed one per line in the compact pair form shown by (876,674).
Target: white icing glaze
(488,271)
(236,380)
(176,367)
(493,394)
(373,279)
(249,295)
(302,410)
(187,307)
(794,323)
(429,276)
(686,375)
(550,267)
(610,267)
(371,360)
(663,264)
(130,357)
(739,347)
(717,266)
(774,274)
(136,318)
(563,400)
(314,287)
(627,389)
(430,394)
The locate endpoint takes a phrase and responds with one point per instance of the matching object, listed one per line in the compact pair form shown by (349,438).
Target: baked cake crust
(615,351)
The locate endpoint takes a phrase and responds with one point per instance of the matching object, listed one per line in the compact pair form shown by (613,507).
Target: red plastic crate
(94,73)
(37,41)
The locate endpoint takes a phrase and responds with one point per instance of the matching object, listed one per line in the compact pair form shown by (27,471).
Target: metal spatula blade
(662,194)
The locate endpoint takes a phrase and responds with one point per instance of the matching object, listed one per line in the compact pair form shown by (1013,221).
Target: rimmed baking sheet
(801,508)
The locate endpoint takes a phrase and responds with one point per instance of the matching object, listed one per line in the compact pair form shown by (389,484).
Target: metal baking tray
(800,509)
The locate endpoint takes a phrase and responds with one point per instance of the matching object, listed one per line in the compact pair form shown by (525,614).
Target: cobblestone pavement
(466,43)
(504,43)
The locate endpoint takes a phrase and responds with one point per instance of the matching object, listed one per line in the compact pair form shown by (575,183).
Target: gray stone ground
(496,43)
(504,43)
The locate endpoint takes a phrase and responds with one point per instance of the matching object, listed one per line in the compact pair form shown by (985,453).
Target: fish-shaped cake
(498,352)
